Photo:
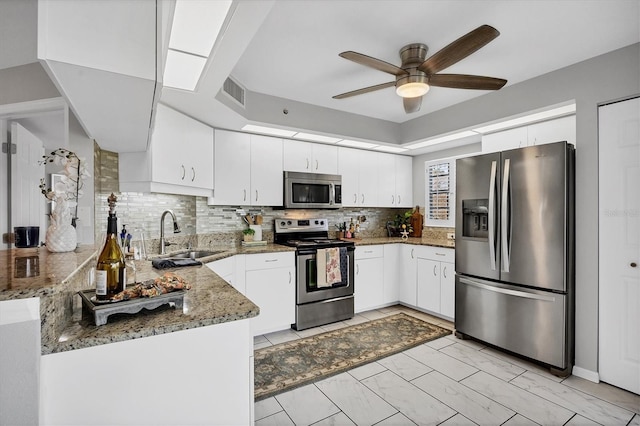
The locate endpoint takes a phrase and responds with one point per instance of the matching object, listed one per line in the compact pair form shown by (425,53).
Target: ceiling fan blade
(412,104)
(463,81)
(459,49)
(373,63)
(365,90)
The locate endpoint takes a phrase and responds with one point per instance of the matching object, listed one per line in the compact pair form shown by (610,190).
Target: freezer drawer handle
(492,213)
(507,291)
(505,218)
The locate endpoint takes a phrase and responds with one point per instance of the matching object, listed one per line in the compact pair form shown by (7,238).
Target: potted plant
(247,234)
(396,227)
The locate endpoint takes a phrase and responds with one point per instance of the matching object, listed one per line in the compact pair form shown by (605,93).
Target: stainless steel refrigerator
(515,252)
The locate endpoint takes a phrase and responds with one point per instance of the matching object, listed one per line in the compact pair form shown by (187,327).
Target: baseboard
(592,376)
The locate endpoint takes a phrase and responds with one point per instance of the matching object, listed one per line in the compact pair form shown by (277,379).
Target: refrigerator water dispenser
(475,218)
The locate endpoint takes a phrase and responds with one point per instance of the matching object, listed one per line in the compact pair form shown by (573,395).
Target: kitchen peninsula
(133,361)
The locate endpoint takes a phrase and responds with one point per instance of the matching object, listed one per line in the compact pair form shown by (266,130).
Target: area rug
(291,364)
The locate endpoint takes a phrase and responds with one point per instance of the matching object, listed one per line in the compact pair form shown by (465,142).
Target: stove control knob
(322,222)
(282,223)
(317,222)
(288,222)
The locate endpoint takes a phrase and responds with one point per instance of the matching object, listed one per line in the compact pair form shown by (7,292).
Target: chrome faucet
(176,229)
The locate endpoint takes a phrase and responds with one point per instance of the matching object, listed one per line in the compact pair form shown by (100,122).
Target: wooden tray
(102,311)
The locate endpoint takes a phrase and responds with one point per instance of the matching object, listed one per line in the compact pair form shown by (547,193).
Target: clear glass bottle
(111,271)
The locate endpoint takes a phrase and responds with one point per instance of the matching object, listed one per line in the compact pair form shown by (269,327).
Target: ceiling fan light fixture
(412,90)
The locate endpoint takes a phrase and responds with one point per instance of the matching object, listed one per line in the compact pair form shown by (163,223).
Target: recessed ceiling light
(356,144)
(441,139)
(268,130)
(182,70)
(316,138)
(390,148)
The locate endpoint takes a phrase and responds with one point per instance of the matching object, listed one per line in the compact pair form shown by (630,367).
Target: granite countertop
(423,241)
(61,275)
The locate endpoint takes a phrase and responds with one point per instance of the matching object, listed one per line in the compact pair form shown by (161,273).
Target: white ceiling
(294,54)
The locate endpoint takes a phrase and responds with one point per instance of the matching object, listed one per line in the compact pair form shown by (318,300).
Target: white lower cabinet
(435,281)
(392,273)
(407,274)
(369,277)
(270,284)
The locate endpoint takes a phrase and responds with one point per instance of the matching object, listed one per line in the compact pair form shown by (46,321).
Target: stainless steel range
(319,300)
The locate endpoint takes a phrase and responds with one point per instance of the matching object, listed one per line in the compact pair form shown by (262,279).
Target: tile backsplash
(141,212)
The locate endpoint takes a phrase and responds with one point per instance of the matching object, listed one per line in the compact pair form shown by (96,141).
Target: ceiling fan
(416,74)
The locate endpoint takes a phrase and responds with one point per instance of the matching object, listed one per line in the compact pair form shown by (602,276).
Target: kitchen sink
(193,254)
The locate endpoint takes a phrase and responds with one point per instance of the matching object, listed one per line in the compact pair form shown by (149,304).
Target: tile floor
(446,381)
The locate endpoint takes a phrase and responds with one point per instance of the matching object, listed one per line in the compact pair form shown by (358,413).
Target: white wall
(598,80)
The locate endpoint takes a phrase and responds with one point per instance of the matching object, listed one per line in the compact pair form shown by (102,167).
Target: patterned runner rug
(291,364)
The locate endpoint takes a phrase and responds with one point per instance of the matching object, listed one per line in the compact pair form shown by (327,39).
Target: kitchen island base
(197,376)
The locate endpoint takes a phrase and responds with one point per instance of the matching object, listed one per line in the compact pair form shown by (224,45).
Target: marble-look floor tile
(439,343)
(415,404)
(266,408)
(519,420)
(446,365)
(339,419)
(467,342)
(282,336)
(579,402)
(334,326)
(635,421)
(259,339)
(494,366)
(467,402)
(357,319)
(425,317)
(367,370)
(612,394)
(278,419)
(458,420)
(356,400)
(396,420)
(404,366)
(578,420)
(522,363)
(372,315)
(391,310)
(310,332)
(529,405)
(306,405)
(261,345)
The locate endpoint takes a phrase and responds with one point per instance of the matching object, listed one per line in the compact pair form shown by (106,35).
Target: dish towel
(321,268)
(333,266)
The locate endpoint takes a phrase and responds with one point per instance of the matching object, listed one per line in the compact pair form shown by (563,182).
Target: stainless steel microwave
(312,191)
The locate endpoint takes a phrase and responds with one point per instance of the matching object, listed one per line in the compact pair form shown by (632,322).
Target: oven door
(307,289)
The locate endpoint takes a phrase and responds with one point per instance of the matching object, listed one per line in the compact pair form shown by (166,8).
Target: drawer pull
(271,260)
(441,254)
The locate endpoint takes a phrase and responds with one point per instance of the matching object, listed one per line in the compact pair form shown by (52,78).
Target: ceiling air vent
(234,90)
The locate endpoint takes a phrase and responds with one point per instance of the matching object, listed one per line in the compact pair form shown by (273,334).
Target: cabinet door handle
(362,198)
(244,195)
(399,199)
(256,195)
(357,269)
(434,270)
(412,253)
(184,171)
(444,272)
(307,167)
(193,174)
(316,164)
(289,277)
(355,198)
(393,199)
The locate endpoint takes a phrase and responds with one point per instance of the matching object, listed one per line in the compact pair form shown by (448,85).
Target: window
(440,193)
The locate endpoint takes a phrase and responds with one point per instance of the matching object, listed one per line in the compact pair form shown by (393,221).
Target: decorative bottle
(111,272)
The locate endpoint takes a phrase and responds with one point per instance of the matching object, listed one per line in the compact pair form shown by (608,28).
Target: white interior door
(619,218)
(27,202)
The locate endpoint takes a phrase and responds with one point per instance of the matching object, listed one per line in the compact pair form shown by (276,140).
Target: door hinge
(5,148)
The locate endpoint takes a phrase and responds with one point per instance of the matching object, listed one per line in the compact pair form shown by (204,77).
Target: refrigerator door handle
(507,291)
(504,218)
(492,213)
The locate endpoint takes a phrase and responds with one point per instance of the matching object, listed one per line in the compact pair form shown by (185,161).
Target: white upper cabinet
(395,181)
(179,160)
(310,157)
(559,129)
(247,170)
(103,57)
(359,170)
